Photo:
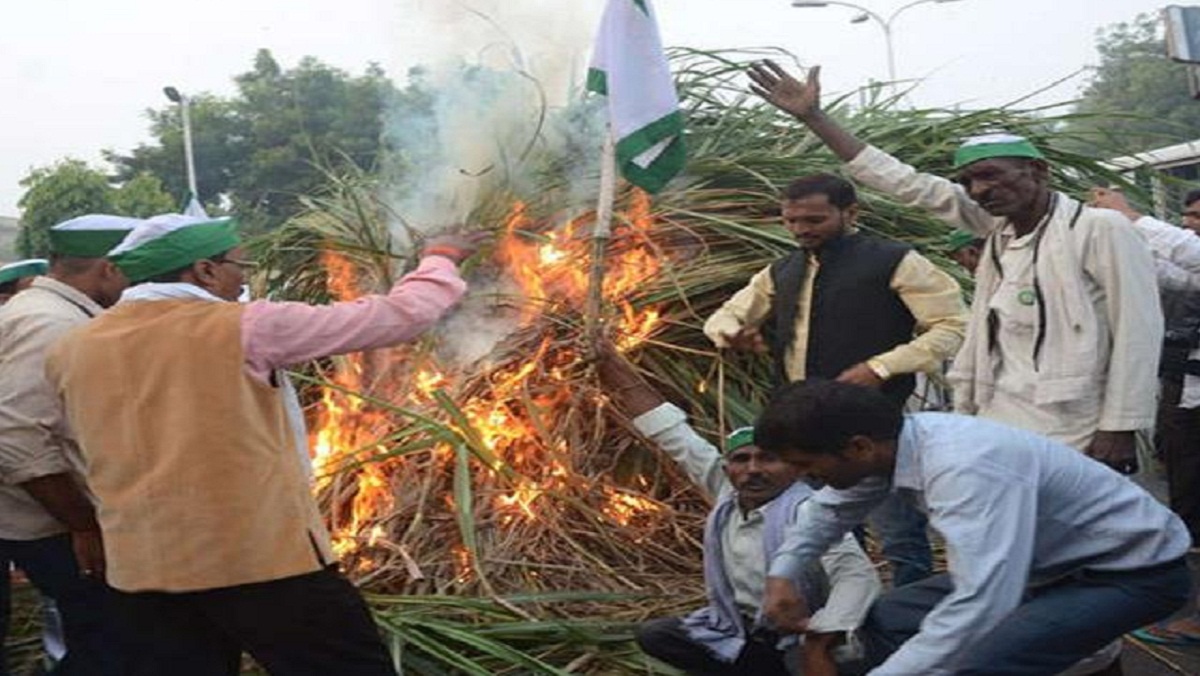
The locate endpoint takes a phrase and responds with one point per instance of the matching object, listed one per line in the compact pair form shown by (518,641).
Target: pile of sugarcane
(498,542)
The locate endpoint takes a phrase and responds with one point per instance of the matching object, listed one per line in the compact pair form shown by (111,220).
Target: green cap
(31,267)
(742,436)
(170,242)
(958,239)
(90,236)
(988,146)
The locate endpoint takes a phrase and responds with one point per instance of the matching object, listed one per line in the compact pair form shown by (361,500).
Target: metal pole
(891,55)
(187,147)
(885,24)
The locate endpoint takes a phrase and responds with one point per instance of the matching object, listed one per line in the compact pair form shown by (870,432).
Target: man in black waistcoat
(851,307)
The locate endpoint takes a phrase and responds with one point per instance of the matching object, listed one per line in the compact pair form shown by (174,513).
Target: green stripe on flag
(597,81)
(669,162)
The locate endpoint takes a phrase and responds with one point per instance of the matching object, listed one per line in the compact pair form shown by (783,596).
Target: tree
(217,138)
(54,194)
(142,197)
(71,188)
(271,143)
(1137,98)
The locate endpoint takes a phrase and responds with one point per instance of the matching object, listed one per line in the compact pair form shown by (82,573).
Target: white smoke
(499,73)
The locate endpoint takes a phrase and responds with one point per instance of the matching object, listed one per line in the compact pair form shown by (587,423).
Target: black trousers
(84,604)
(1178,441)
(666,640)
(309,625)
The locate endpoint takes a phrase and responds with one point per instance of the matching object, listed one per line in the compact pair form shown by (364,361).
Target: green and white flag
(193,207)
(630,68)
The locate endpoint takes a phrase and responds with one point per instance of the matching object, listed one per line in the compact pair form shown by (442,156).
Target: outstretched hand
(88,546)
(1113,198)
(861,374)
(784,607)
(455,246)
(747,339)
(1118,450)
(625,386)
(785,92)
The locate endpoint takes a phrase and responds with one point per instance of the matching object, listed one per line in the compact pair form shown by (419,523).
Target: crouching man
(1051,555)
(757,497)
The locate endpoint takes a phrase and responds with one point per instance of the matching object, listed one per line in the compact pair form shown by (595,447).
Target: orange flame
(551,270)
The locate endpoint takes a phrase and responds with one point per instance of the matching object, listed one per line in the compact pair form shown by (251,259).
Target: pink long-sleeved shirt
(275,335)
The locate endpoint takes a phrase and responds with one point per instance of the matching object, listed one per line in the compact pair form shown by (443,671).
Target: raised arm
(803,101)
(276,335)
(662,422)
(868,165)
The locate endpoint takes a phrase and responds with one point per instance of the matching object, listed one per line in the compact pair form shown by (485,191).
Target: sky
(78,75)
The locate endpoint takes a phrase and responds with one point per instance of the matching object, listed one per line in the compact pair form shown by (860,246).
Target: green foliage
(261,148)
(216,134)
(54,194)
(71,188)
(142,197)
(1142,95)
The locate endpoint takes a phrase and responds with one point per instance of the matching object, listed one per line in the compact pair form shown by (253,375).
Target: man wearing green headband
(47,524)
(965,248)
(18,276)
(1064,327)
(1065,321)
(757,496)
(192,439)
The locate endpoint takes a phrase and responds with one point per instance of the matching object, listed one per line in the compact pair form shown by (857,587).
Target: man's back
(191,458)
(1077,512)
(29,447)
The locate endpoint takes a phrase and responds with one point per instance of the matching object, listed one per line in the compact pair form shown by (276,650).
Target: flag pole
(601,234)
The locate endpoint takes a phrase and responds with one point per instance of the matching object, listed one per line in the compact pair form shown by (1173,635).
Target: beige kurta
(32,441)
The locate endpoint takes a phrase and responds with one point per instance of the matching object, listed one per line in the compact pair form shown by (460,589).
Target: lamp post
(176,97)
(867,15)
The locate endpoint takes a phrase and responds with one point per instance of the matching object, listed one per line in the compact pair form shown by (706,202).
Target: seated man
(1051,555)
(757,496)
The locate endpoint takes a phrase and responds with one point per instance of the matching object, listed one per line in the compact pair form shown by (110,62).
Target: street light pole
(184,103)
(884,24)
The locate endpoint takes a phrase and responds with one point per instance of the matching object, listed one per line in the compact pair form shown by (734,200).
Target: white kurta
(1072,422)
(1177,258)
(1102,321)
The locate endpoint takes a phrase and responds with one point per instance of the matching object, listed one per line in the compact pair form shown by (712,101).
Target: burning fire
(505,419)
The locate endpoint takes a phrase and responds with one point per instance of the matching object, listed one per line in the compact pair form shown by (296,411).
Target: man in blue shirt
(1051,555)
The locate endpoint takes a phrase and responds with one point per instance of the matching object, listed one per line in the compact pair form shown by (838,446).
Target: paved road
(1149,660)
(1145,659)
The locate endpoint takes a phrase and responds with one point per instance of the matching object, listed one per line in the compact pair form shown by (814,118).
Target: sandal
(1159,634)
